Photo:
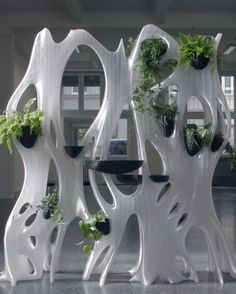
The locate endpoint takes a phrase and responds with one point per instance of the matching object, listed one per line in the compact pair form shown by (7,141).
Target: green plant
(200,136)
(148,66)
(130,45)
(167,110)
(190,47)
(12,123)
(90,231)
(229,149)
(49,204)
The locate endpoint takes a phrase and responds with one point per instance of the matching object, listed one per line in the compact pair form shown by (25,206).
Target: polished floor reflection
(68,280)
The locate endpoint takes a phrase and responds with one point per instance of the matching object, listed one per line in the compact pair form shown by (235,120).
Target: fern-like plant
(13,123)
(191,47)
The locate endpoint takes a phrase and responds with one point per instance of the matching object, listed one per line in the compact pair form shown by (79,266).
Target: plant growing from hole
(149,68)
(12,123)
(50,206)
(229,149)
(200,136)
(93,229)
(191,47)
(165,110)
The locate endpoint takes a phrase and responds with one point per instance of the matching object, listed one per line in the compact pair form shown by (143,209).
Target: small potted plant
(50,206)
(229,149)
(93,229)
(217,141)
(165,115)
(195,138)
(25,127)
(196,51)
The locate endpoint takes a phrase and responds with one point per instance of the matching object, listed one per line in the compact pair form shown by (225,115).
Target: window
(92,92)
(118,145)
(227,83)
(82,94)
(70,93)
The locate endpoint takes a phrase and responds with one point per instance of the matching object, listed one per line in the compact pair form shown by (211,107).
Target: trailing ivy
(149,68)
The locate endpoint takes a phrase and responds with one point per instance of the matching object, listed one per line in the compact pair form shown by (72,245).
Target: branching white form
(166,211)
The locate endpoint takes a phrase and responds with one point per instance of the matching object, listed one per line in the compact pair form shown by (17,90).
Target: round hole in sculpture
(24,208)
(130,244)
(164,109)
(197,236)
(182,220)
(30,220)
(182,266)
(52,176)
(218,138)
(28,104)
(49,258)
(32,240)
(174,209)
(82,89)
(53,133)
(31,267)
(163,193)
(193,141)
(103,189)
(26,264)
(54,235)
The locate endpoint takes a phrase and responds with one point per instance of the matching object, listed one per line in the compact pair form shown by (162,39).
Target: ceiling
(110,20)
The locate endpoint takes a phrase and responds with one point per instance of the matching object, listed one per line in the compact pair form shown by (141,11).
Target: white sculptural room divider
(166,209)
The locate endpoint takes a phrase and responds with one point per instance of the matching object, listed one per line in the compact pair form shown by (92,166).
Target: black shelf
(130,179)
(137,179)
(73,151)
(159,178)
(114,166)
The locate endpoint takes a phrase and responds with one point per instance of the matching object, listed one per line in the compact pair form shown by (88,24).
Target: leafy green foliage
(199,135)
(229,149)
(50,202)
(130,46)
(190,47)
(148,66)
(89,230)
(12,123)
(167,110)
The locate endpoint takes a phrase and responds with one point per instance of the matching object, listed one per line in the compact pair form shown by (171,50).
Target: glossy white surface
(162,241)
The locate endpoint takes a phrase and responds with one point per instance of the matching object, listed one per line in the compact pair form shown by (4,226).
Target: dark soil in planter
(166,125)
(191,147)
(73,151)
(104,227)
(46,213)
(216,143)
(200,62)
(27,140)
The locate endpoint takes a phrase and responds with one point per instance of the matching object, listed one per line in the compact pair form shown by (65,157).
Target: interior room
(75,216)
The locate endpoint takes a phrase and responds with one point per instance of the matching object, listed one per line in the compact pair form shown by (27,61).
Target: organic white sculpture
(161,223)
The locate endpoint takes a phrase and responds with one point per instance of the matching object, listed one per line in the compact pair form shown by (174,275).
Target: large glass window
(227,83)
(92,92)
(82,95)
(70,93)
